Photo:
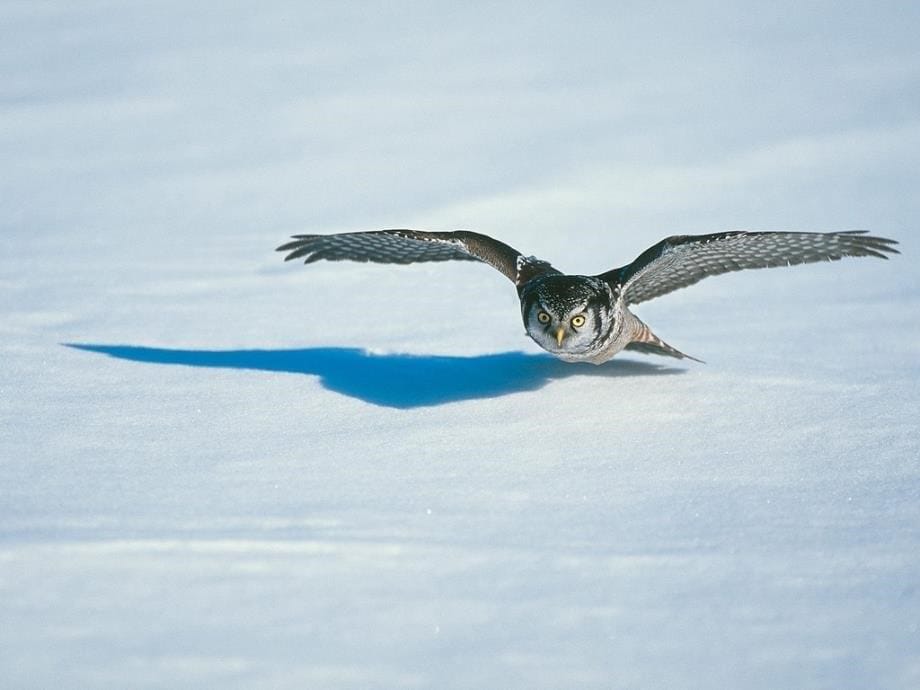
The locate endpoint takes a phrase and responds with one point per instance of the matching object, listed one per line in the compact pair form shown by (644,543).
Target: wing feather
(683,260)
(402,246)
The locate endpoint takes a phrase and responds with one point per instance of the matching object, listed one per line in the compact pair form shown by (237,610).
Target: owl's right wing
(412,246)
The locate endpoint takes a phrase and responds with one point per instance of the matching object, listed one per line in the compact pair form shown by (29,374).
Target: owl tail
(648,343)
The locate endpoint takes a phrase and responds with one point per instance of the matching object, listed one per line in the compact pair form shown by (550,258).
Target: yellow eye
(543,317)
(578,321)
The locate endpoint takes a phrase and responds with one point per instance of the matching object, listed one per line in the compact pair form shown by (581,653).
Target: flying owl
(583,318)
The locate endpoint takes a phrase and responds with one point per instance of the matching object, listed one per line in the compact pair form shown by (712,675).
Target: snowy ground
(219,470)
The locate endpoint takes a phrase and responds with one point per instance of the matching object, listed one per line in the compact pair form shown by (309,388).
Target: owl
(586,318)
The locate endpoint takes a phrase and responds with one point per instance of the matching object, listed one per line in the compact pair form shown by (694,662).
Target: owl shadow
(400,381)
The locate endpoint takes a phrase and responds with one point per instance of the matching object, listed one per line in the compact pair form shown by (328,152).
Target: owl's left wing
(683,260)
(411,246)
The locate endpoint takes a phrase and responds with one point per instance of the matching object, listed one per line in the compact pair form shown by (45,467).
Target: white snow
(220,470)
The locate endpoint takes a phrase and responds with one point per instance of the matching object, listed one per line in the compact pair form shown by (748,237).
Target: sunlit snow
(220,470)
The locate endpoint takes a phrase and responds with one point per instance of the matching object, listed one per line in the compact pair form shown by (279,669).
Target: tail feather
(648,343)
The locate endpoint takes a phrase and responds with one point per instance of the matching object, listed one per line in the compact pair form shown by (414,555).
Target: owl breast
(572,317)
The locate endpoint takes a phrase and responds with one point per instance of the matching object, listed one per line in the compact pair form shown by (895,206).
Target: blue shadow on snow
(393,380)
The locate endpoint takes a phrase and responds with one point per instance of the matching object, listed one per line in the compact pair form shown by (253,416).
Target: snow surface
(220,470)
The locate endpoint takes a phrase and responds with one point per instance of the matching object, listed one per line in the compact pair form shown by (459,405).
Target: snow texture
(219,470)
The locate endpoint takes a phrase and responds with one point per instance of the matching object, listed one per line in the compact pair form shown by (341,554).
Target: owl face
(567,315)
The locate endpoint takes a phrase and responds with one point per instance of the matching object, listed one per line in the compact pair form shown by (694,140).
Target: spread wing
(411,246)
(683,260)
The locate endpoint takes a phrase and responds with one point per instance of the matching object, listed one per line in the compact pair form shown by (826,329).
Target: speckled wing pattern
(683,260)
(412,246)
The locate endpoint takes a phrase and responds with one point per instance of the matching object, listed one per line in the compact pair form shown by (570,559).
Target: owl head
(566,315)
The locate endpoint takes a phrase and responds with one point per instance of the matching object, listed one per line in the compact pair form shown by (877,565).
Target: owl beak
(560,335)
